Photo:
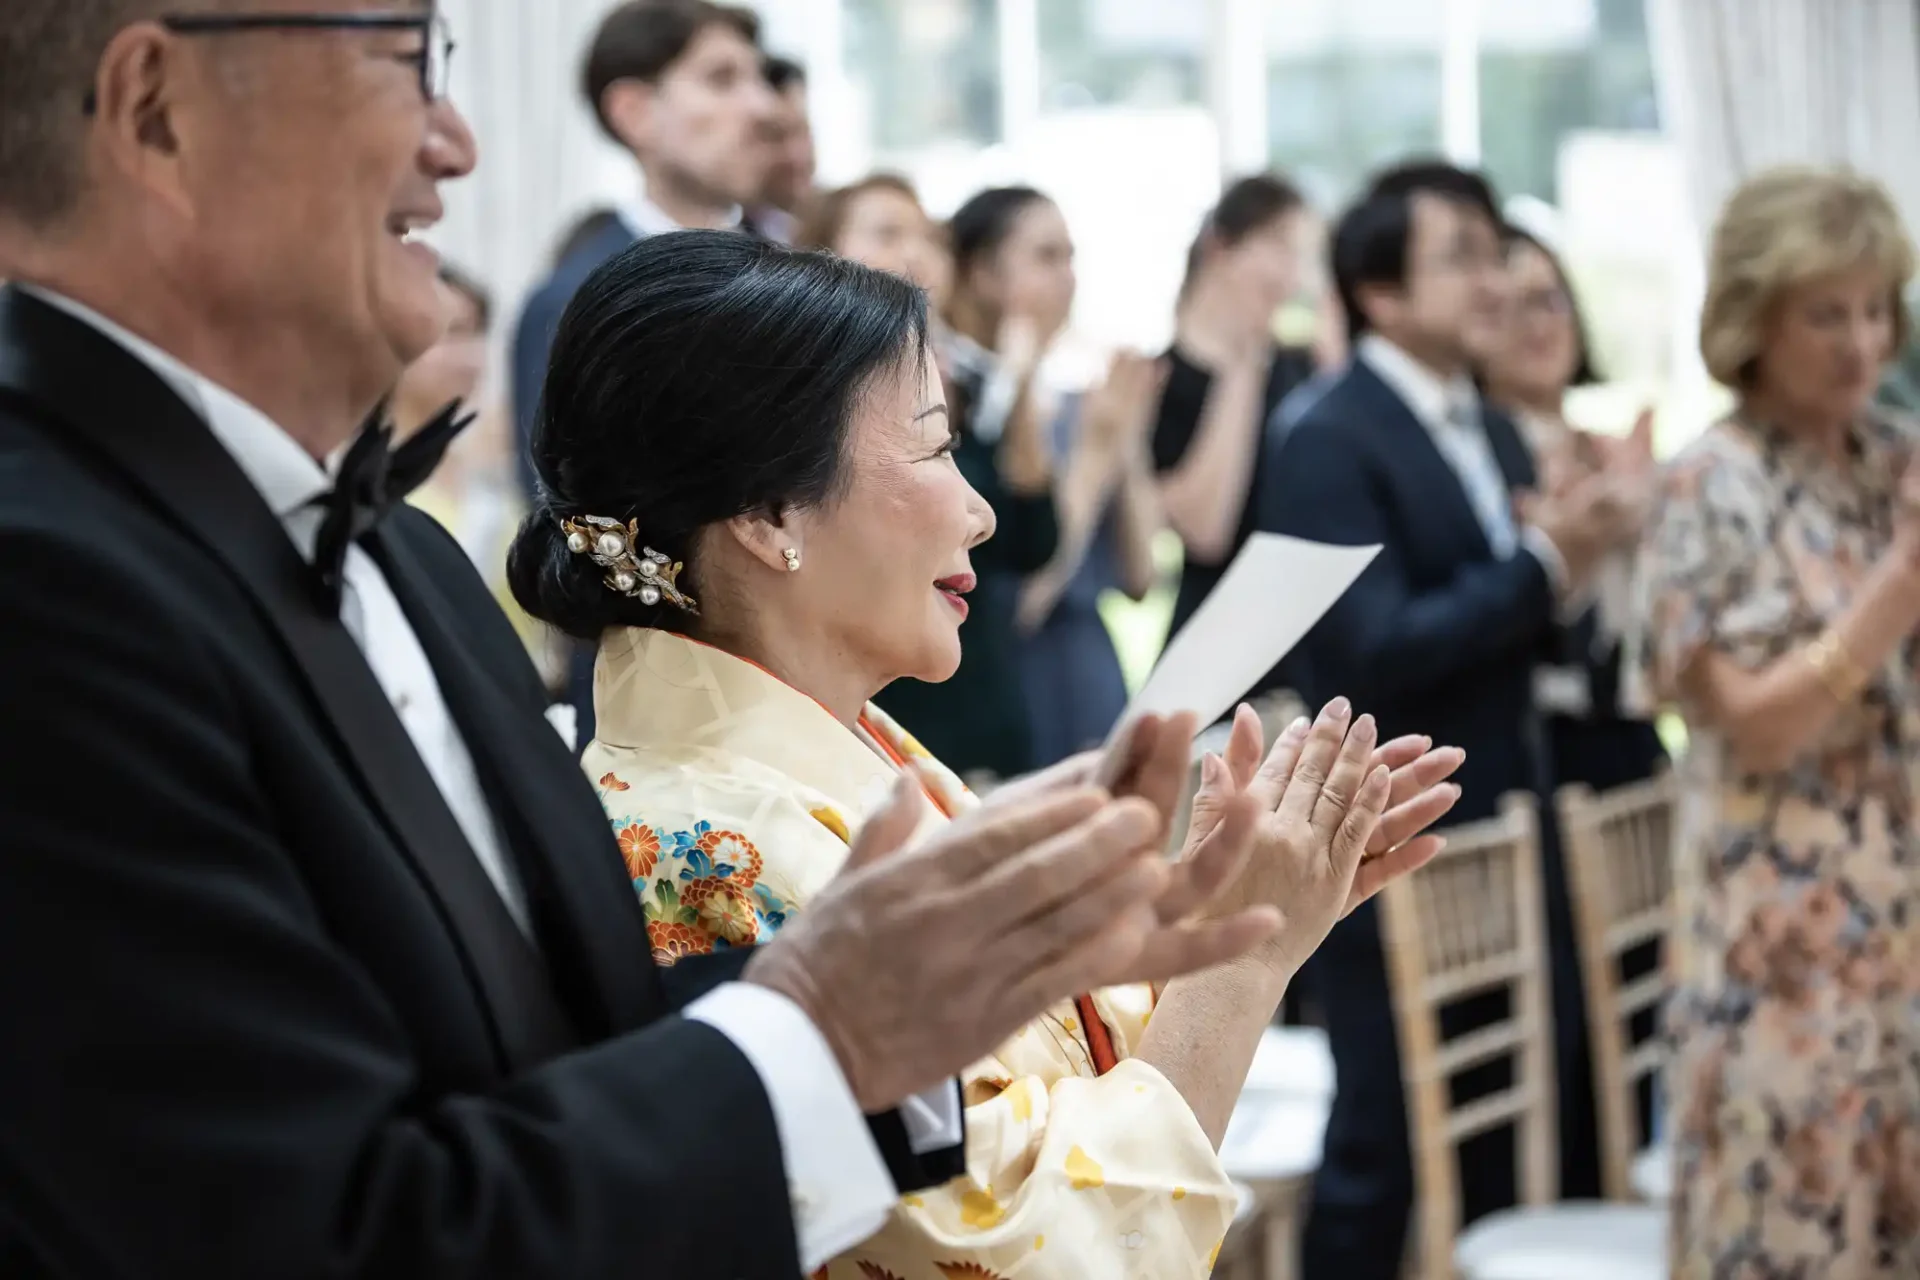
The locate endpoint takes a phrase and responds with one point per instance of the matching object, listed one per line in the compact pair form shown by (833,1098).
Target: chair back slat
(1620,862)
(1472,921)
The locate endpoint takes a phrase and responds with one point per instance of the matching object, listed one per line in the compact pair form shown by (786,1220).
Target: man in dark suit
(1439,635)
(681,85)
(320,959)
(789,187)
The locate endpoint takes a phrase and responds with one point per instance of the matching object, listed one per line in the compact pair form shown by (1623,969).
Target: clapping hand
(1240,832)
(1584,514)
(1615,480)
(1336,817)
(1148,760)
(1027,328)
(916,961)
(1117,413)
(1633,453)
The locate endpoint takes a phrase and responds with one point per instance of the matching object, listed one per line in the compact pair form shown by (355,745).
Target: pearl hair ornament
(632,570)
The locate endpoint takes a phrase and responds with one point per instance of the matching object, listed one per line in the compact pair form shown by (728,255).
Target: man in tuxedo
(321,960)
(681,85)
(1440,635)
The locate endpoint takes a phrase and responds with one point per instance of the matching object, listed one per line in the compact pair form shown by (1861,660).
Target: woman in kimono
(1014,244)
(748,498)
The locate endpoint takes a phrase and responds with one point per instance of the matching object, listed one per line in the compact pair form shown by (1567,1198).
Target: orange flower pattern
(699,889)
(672,940)
(608,782)
(641,849)
(1796,1010)
(730,850)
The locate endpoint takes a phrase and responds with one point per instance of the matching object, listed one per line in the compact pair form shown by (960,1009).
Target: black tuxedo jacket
(1437,636)
(264,1013)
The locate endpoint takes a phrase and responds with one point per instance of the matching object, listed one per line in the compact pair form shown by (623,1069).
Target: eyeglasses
(1462,259)
(434,58)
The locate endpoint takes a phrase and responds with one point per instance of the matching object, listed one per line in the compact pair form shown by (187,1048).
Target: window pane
(929,69)
(1351,85)
(1136,53)
(1549,68)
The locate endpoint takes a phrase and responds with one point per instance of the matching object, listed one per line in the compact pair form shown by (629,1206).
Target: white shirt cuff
(837,1180)
(932,1119)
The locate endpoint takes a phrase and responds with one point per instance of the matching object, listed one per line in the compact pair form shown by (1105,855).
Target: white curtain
(543,160)
(516,77)
(1746,84)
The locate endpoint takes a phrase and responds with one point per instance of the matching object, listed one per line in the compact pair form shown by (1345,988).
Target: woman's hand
(1633,478)
(1149,758)
(1117,414)
(1020,344)
(1331,819)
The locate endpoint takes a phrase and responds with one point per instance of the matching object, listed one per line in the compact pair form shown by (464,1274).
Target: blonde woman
(1783,594)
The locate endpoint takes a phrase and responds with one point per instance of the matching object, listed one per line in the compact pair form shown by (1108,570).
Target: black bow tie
(373,476)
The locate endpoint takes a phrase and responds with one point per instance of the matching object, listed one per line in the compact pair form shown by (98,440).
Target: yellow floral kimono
(734,797)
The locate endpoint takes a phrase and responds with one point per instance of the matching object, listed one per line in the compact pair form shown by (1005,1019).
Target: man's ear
(144,106)
(628,108)
(1376,300)
(767,537)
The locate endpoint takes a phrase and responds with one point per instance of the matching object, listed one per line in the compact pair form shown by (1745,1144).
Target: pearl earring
(793,560)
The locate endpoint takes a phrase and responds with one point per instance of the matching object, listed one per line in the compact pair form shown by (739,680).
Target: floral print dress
(1795,1082)
(734,799)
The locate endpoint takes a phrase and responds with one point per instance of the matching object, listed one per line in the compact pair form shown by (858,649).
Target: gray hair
(49,50)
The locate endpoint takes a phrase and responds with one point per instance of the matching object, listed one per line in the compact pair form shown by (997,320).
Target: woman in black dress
(1012,287)
(1225,377)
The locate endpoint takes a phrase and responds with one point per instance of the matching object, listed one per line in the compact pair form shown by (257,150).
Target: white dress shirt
(1451,413)
(645,218)
(996,394)
(840,1189)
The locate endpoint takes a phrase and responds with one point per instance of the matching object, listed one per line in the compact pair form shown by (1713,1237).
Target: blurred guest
(584,230)
(1594,736)
(1330,356)
(1225,375)
(879,222)
(1013,287)
(474,492)
(1441,631)
(452,369)
(679,84)
(788,187)
(1783,582)
(1109,512)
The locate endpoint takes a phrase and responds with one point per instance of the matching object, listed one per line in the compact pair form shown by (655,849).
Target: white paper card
(1265,603)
